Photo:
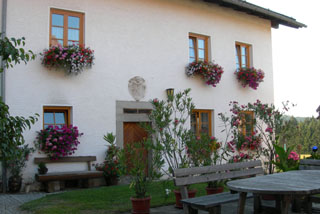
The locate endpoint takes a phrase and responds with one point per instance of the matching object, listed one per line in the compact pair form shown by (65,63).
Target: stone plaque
(137,88)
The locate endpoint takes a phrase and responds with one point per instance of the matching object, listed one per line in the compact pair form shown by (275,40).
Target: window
(242,55)
(198,48)
(201,122)
(56,116)
(247,119)
(66,27)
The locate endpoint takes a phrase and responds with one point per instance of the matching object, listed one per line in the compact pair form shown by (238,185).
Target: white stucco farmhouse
(153,40)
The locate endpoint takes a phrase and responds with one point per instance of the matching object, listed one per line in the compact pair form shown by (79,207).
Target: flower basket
(210,72)
(58,142)
(73,59)
(250,76)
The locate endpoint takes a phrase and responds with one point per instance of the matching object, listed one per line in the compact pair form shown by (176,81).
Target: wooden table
(284,185)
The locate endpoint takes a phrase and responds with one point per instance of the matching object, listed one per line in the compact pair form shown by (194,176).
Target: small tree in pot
(141,171)
(170,132)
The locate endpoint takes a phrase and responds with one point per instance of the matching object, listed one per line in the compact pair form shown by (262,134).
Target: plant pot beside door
(177,193)
(133,164)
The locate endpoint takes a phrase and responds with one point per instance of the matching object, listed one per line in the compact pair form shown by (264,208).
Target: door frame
(122,117)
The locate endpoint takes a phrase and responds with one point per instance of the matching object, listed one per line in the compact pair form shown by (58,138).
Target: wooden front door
(133,133)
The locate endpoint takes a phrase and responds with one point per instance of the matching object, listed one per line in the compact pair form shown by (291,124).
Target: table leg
(286,199)
(256,203)
(242,202)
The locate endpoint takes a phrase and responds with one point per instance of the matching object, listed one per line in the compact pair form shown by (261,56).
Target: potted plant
(58,142)
(42,168)
(168,130)
(110,166)
(204,150)
(250,76)
(141,172)
(16,167)
(209,71)
(73,58)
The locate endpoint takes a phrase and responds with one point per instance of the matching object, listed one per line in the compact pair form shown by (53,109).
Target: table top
(302,182)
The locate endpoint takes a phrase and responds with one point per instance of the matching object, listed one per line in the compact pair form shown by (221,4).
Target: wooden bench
(212,203)
(54,181)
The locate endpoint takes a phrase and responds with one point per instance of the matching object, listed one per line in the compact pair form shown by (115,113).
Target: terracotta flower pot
(214,190)
(191,194)
(140,205)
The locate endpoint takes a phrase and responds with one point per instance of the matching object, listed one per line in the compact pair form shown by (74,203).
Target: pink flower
(269,129)
(155,100)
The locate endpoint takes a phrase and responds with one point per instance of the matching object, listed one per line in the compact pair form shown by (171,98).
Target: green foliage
(203,150)
(11,133)
(113,150)
(303,134)
(42,165)
(17,164)
(110,166)
(268,124)
(134,162)
(169,130)
(286,160)
(12,52)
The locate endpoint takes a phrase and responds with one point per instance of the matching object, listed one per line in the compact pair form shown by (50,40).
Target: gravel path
(9,203)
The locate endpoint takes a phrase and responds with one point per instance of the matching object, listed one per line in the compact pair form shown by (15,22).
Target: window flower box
(249,76)
(73,59)
(209,71)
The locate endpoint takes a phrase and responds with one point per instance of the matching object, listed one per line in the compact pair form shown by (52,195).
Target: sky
(296,56)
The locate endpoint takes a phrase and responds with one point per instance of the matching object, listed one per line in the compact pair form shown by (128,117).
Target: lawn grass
(111,199)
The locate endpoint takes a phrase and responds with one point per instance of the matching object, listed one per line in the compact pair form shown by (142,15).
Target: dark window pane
(60,118)
(144,111)
(205,128)
(48,118)
(73,22)
(57,19)
(205,117)
(130,111)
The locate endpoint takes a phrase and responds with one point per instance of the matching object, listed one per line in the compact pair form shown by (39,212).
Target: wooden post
(184,195)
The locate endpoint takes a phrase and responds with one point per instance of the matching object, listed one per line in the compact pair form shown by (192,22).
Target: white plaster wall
(147,38)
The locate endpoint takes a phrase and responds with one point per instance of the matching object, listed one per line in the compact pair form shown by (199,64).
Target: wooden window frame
(199,111)
(244,123)
(67,110)
(248,53)
(195,38)
(65,25)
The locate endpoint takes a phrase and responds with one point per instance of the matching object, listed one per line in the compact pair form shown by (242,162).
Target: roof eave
(252,9)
